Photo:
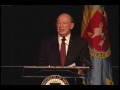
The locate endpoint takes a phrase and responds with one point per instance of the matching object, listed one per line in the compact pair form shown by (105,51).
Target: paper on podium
(72,65)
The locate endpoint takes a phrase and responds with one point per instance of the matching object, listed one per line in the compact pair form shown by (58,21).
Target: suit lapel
(71,51)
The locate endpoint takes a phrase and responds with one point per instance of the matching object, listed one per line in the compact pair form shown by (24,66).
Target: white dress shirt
(66,42)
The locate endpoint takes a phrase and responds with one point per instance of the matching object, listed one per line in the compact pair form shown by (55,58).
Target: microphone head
(63,39)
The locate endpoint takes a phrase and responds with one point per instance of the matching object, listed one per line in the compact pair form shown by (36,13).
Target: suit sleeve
(85,55)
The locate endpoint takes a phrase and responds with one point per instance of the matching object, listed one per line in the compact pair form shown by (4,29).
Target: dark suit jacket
(49,52)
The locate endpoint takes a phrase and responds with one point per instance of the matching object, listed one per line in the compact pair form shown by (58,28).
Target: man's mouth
(61,30)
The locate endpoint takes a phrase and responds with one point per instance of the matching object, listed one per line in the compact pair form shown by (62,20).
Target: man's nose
(61,25)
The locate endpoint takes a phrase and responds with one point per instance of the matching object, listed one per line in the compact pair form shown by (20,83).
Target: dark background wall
(24,27)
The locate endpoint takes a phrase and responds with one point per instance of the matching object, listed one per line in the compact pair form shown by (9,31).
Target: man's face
(64,25)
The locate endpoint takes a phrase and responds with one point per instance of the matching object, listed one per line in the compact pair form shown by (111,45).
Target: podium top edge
(54,67)
(74,67)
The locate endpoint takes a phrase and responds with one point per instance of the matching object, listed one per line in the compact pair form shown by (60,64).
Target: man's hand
(80,71)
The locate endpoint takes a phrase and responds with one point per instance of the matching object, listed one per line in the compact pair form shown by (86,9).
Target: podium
(53,75)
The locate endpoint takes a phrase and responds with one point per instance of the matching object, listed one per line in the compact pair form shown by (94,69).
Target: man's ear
(72,25)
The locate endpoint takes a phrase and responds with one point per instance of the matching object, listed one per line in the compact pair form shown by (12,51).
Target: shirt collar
(67,38)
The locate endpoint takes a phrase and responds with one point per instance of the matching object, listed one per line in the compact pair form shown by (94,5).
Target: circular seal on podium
(55,80)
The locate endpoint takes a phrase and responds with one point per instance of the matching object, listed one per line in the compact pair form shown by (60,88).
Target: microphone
(63,40)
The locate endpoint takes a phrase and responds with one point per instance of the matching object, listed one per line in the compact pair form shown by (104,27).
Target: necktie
(63,51)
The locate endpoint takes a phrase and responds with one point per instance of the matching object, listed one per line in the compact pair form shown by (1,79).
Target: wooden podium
(53,75)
